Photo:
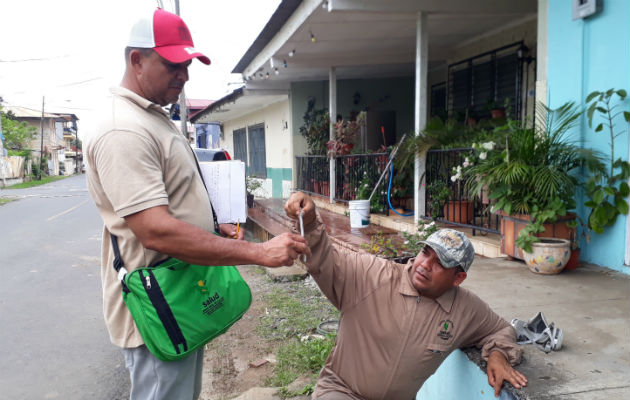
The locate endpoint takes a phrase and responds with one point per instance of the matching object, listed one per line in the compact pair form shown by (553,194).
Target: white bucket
(359,213)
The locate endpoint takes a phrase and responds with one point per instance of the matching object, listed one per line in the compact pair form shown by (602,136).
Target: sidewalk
(590,304)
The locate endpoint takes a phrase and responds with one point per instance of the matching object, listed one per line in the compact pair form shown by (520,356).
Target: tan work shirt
(137,160)
(390,339)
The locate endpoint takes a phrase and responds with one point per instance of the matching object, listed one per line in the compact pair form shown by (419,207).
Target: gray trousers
(153,379)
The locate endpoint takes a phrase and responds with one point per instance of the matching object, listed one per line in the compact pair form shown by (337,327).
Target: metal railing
(447,201)
(313,175)
(351,170)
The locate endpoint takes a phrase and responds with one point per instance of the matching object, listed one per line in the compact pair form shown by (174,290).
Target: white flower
(453,178)
(483,155)
(466,163)
(488,145)
(459,170)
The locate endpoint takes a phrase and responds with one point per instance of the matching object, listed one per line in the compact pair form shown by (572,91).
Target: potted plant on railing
(346,136)
(251,186)
(437,194)
(530,177)
(316,128)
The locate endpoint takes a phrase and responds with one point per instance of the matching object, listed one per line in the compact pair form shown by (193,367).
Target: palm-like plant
(532,168)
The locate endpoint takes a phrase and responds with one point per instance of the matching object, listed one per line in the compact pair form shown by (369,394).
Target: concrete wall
(11,170)
(278,143)
(583,56)
(388,94)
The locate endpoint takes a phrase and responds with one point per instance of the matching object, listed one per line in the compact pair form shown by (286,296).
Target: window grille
(475,84)
(257,157)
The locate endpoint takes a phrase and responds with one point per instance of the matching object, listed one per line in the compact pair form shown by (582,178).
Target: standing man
(144,180)
(399,322)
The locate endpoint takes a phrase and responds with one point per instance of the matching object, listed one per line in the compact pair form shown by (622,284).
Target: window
(257,157)
(479,83)
(240,145)
(438,100)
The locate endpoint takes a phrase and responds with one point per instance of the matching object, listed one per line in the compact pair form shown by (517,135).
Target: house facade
(403,62)
(46,126)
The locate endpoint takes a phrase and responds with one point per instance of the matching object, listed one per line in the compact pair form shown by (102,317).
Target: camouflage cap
(452,248)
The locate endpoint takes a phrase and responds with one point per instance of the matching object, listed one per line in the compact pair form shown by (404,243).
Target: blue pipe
(389,189)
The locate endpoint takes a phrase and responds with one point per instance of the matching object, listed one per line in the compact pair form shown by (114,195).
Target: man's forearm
(159,231)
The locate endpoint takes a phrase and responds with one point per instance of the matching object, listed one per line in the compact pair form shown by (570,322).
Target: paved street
(53,341)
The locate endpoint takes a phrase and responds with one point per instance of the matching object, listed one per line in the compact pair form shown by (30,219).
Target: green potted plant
(315,128)
(437,194)
(496,110)
(251,186)
(607,187)
(531,176)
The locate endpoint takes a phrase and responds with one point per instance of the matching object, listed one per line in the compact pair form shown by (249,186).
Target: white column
(420,110)
(332,107)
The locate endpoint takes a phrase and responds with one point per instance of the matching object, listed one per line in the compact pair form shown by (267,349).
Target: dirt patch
(226,361)
(280,312)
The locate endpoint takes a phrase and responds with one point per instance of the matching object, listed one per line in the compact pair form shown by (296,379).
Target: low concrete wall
(11,167)
(11,170)
(460,378)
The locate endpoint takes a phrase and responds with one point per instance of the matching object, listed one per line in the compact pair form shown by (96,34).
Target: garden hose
(389,189)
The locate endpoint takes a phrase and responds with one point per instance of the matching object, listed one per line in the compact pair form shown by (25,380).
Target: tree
(17,135)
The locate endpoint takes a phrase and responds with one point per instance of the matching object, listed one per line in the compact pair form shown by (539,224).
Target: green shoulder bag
(178,307)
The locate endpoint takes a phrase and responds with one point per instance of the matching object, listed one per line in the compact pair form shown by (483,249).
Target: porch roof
(238,103)
(368,38)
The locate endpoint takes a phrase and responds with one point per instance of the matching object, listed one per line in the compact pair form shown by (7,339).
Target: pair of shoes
(546,337)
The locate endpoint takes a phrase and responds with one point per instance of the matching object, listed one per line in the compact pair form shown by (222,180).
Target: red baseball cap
(168,35)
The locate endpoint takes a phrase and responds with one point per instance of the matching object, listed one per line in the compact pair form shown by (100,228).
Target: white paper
(225,181)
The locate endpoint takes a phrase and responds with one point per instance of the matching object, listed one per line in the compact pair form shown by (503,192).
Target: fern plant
(533,169)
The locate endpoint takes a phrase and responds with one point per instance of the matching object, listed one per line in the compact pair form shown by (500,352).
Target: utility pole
(2,170)
(183,111)
(76,151)
(41,148)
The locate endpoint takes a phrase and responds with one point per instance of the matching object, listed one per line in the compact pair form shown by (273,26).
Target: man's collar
(136,98)
(445,301)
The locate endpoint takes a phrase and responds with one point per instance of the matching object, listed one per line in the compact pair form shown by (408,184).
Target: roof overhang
(369,38)
(240,102)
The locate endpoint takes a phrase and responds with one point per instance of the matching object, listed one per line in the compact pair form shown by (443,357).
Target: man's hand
(229,231)
(301,200)
(284,249)
(500,370)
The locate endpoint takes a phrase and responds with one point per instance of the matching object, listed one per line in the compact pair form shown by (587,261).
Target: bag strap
(119,265)
(214,214)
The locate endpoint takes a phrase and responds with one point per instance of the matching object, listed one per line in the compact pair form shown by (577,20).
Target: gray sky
(71,51)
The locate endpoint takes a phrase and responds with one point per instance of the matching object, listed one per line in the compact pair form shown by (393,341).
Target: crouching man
(399,322)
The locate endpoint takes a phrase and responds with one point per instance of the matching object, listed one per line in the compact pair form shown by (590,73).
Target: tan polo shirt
(138,159)
(390,338)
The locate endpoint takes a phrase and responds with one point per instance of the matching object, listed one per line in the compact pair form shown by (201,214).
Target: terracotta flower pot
(549,256)
(459,211)
(574,260)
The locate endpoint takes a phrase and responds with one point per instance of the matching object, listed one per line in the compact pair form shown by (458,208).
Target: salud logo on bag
(213,303)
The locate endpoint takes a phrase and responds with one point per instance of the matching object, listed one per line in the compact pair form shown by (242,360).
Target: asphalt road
(53,340)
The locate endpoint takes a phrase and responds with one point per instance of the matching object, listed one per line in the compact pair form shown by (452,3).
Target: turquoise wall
(459,378)
(385,94)
(277,175)
(587,55)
